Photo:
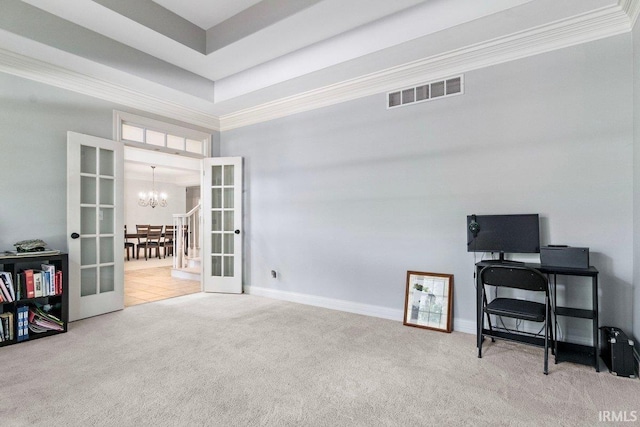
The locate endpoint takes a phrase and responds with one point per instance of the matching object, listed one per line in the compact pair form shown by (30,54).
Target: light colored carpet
(243,360)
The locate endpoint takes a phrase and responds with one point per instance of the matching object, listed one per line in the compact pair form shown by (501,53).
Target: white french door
(95,227)
(222,228)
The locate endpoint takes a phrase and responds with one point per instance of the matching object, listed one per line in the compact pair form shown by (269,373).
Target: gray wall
(136,214)
(343,200)
(34,120)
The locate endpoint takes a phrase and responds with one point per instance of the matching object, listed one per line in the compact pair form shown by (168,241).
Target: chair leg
(546,337)
(546,352)
(550,329)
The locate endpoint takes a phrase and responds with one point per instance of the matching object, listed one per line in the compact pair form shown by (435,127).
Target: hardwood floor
(154,284)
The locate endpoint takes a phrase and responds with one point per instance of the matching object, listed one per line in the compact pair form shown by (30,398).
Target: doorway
(148,280)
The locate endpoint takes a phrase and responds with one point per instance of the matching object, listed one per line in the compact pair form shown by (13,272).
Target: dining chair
(167,241)
(142,231)
(154,236)
(128,246)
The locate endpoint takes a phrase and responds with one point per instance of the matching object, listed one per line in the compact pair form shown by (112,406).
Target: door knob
(74,235)
(237,231)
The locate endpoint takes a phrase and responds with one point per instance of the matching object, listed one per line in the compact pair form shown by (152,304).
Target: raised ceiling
(227,63)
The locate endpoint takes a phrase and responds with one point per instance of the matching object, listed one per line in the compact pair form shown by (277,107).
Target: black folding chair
(523,278)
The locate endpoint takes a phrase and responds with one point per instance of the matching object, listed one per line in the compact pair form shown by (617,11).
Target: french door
(95,225)
(222,228)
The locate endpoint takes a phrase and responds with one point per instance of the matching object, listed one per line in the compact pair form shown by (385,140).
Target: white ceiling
(206,13)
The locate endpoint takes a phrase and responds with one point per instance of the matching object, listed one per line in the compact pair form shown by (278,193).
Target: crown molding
(632,9)
(590,26)
(44,72)
(594,25)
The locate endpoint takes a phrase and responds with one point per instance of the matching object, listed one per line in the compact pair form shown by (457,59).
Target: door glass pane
(216,175)
(88,281)
(228,174)
(107,167)
(107,279)
(216,198)
(229,240)
(87,160)
(216,243)
(87,190)
(106,249)
(88,220)
(88,251)
(228,266)
(228,221)
(106,221)
(216,266)
(228,198)
(216,221)
(107,193)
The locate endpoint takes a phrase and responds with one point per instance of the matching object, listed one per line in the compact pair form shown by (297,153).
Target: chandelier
(152,198)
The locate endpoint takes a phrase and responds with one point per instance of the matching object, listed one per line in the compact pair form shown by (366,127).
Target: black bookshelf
(15,265)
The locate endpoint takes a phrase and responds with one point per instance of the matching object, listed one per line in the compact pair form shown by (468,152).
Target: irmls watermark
(618,416)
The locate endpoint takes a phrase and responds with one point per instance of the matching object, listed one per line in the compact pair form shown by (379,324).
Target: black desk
(564,351)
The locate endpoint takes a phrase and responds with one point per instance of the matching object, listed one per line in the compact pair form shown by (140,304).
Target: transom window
(144,132)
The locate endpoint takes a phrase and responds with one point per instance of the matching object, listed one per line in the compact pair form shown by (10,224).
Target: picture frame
(429,301)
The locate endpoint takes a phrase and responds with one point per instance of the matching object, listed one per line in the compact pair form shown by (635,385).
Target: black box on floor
(617,352)
(564,256)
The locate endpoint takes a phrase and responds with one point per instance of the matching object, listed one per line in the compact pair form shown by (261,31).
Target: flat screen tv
(502,234)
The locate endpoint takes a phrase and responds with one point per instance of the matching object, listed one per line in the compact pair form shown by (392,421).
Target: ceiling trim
(590,26)
(632,9)
(44,72)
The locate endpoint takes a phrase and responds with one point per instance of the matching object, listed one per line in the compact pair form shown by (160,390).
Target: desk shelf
(575,353)
(575,312)
(564,351)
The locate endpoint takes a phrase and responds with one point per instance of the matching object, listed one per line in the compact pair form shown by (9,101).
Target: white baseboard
(463,325)
(460,325)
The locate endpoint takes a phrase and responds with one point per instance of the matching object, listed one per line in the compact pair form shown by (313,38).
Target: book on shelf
(49,271)
(29,283)
(58,282)
(41,321)
(18,287)
(7,278)
(6,324)
(23,323)
(6,287)
(37,283)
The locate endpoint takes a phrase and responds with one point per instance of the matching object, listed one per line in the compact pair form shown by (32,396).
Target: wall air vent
(425,92)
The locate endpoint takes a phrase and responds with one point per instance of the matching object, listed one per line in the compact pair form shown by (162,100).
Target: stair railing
(186,242)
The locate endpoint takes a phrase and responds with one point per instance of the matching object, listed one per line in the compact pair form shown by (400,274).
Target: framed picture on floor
(429,301)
